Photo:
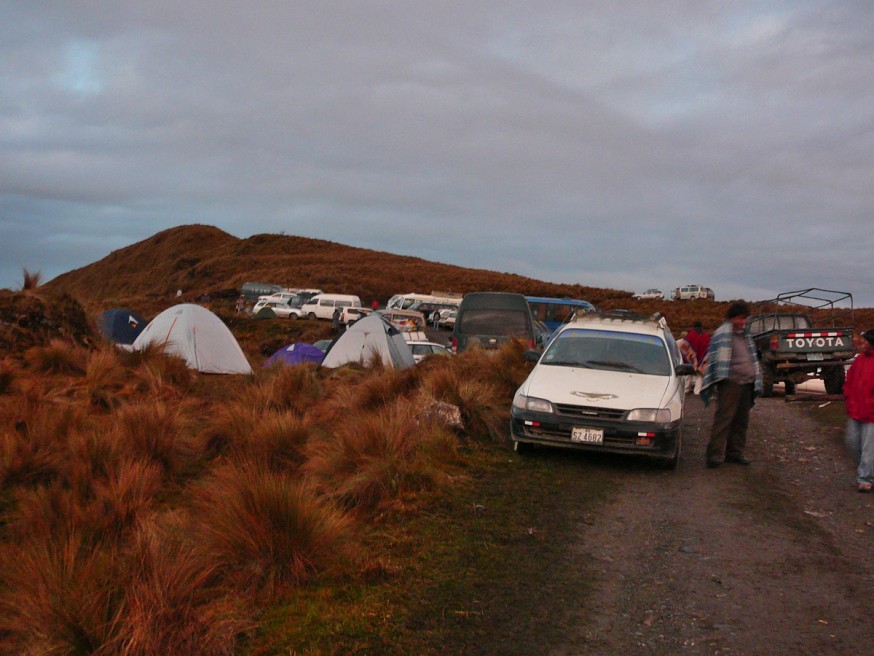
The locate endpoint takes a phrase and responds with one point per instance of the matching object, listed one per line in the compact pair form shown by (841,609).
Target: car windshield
(607,349)
(493,322)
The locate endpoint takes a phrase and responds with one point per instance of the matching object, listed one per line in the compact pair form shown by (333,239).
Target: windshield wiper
(567,363)
(615,364)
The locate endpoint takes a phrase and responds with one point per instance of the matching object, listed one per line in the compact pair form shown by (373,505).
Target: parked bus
(430,302)
(556,311)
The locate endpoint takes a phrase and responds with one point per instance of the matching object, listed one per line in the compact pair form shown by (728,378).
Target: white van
(322,306)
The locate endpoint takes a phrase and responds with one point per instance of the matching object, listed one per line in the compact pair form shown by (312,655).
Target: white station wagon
(612,383)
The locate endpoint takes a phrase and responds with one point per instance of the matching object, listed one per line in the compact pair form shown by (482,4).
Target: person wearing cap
(859,402)
(733,371)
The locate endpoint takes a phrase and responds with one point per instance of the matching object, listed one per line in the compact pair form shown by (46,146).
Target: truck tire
(767,380)
(834,379)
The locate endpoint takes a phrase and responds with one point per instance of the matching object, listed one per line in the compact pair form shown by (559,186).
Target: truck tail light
(775,342)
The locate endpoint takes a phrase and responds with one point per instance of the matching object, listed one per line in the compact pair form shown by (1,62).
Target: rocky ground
(769,558)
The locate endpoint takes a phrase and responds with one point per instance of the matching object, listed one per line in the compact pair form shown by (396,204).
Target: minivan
(489,319)
(321,306)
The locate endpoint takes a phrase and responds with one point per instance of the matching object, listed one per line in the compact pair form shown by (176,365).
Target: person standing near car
(689,357)
(859,402)
(733,372)
(698,340)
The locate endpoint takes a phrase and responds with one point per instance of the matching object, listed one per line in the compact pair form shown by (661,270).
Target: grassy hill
(201,259)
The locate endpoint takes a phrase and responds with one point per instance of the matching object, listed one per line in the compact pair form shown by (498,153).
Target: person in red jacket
(859,401)
(699,340)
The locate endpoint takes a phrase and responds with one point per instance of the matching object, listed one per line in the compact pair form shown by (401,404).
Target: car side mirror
(531,356)
(684,370)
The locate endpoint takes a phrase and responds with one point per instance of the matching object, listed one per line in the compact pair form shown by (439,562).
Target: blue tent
(121,326)
(296,354)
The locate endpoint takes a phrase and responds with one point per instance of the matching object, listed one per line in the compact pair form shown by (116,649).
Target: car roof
(620,322)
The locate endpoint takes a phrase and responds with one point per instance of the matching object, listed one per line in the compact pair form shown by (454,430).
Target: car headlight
(531,404)
(650,415)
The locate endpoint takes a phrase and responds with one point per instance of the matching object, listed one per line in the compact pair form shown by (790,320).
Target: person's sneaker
(738,460)
(865,487)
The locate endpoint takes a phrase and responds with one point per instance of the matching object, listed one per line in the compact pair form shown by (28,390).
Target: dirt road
(772,558)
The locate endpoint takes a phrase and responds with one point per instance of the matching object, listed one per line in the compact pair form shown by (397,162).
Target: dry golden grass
(174,600)
(59,595)
(267,531)
(59,357)
(30,280)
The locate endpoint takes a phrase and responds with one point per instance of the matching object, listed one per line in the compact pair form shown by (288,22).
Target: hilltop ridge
(204,259)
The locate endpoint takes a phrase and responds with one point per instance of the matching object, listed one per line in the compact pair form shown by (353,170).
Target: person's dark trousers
(730,421)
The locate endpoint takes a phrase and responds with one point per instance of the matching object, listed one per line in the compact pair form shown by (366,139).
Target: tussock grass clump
(277,440)
(154,431)
(33,443)
(8,373)
(267,531)
(158,373)
(174,601)
(30,280)
(59,596)
(57,357)
(105,379)
(375,460)
(284,388)
(483,408)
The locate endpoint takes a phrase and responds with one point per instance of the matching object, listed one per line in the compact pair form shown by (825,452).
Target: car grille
(588,412)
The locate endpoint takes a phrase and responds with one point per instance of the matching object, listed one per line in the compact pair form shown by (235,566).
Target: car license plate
(587,435)
(814,356)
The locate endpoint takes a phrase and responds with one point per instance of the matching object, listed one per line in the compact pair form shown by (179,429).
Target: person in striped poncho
(733,372)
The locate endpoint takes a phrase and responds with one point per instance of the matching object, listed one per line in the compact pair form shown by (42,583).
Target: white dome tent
(367,339)
(199,337)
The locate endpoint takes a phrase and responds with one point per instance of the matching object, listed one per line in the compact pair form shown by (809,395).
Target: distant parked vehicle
(489,319)
(802,335)
(447,318)
(422,349)
(321,306)
(252,290)
(650,295)
(349,315)
(277,308)
(693,292)
(556,311)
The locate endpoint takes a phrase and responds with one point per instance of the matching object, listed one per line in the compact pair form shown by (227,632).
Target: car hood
(594,387)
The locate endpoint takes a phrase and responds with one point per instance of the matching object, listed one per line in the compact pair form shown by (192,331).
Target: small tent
(199,337)
(296,354)
(369,338)
(121,326)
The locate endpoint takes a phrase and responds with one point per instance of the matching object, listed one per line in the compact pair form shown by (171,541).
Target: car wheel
(311,315)
(292,316)
(522,448)
(767,381)
(673,463)
(834,377)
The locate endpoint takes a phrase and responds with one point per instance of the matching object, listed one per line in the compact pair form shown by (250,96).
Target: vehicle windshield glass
(493,322)
(607,349)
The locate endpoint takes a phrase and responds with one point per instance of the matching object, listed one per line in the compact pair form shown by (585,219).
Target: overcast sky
(615,144)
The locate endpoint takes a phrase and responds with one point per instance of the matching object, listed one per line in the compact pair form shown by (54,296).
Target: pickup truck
(793,347)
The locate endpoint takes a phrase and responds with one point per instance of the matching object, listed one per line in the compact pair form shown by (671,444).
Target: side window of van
(326,302)
(344,303)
